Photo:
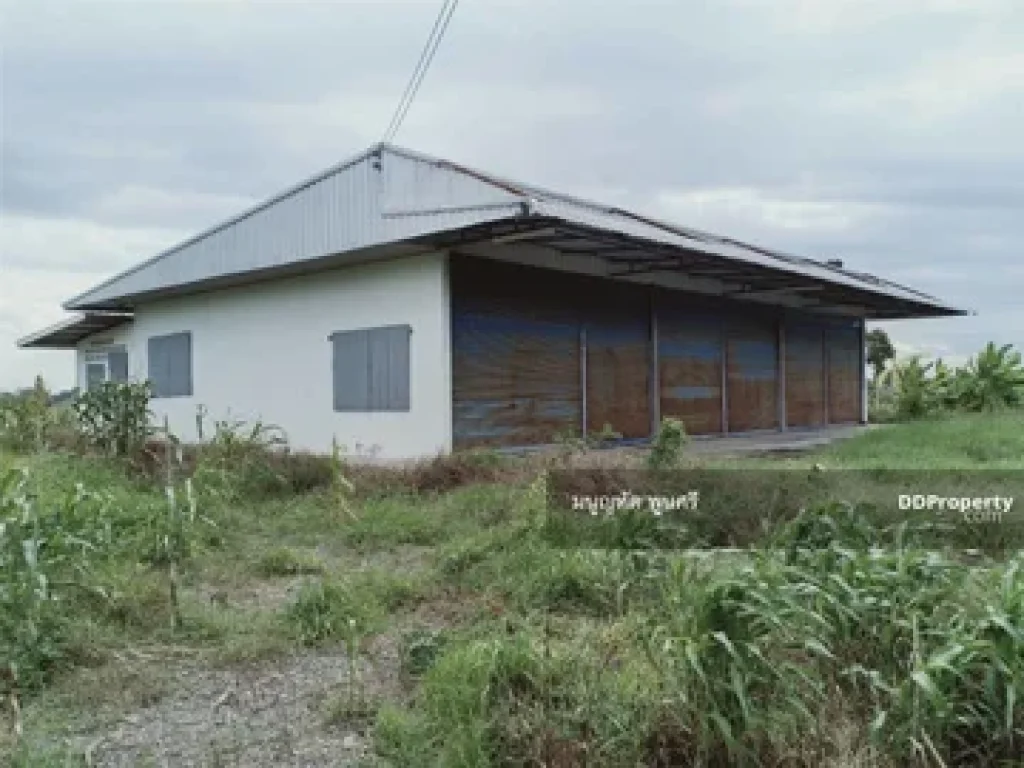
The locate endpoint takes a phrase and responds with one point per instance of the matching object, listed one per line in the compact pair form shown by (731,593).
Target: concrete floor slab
(772,442)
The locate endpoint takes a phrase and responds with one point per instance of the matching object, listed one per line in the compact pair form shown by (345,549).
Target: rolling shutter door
(618,338)
(844,375)
(515,357)
(752,358)
(690,369)
(805,375)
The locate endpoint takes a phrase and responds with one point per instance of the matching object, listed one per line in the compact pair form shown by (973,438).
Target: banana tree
(993,379)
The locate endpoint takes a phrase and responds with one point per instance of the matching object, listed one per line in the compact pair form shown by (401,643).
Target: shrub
(607,436)
(421,649)
(667,448)
(241,460)
(909,389)
(305,472)
(114,416)
(445,473)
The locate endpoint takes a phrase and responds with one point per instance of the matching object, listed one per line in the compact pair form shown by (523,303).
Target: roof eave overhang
(820,286)
(633,257)
(69,333)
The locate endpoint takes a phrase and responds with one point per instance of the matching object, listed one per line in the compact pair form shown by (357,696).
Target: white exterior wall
(262,352)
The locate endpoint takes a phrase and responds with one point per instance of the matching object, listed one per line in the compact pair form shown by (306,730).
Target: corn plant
(26,418)
(341,487)
(174,528)
(45,557)
(354,703)
(352,637)
(114,416)
(955,699)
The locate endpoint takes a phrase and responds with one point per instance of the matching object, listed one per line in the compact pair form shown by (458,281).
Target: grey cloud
(220,102)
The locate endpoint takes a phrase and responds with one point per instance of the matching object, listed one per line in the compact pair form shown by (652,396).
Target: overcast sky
(888,133)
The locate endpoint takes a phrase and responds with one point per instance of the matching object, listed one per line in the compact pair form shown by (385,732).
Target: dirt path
(270,715)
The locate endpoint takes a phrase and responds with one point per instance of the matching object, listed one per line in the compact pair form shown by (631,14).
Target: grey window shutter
(170,365)
(155,366)
(371,369)
(350,367)
(117,362)
(389,368)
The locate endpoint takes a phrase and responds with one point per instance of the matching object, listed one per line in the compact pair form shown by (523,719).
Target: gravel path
(271,715)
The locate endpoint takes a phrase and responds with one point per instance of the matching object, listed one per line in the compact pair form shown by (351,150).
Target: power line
(420,71)
(426,56)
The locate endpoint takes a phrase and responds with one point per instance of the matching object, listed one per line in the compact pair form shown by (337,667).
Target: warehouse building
(406,305)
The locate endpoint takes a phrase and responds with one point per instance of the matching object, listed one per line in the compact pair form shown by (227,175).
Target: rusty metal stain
(515,380)
(752,374)
(844,375)
(515,357)
(805,375)
(618,384)
(616,317)
(690,363)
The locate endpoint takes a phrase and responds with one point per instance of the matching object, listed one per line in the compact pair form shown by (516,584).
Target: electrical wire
(444,16)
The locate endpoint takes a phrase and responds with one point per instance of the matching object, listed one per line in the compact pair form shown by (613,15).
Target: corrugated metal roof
(388,195)
(68,333)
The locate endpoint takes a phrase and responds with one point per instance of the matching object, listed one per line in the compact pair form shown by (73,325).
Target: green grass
(285,561)
(963,440)
(548,653)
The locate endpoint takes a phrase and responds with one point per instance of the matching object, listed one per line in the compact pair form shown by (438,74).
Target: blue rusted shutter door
(805,374)
(515,357)
(618,339)
(844,374)
(690,366)
(515,379)
(753,368)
